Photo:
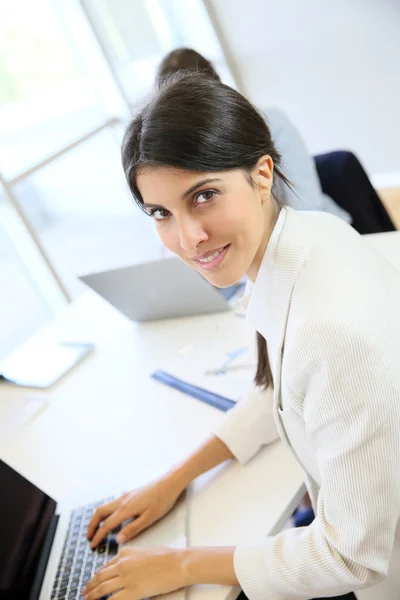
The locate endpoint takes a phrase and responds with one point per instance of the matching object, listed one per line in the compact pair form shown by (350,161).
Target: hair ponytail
(263,376)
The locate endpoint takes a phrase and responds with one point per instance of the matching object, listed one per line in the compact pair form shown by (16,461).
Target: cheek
(168,237)
(239,221)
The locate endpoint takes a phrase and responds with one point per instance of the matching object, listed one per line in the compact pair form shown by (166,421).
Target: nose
(191,233)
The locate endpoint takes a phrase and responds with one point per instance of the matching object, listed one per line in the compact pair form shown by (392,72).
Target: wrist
(187,566)
(181,476)
(206,566)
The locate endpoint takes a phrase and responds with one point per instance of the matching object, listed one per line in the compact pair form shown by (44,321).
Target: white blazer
(329,307)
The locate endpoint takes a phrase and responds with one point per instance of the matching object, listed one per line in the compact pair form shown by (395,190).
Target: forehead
(153,177)
(160,183)
(170,179)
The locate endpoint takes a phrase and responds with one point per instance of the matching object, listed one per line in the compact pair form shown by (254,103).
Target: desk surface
(108,420)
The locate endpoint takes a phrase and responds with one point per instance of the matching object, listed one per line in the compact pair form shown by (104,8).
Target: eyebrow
(192,189)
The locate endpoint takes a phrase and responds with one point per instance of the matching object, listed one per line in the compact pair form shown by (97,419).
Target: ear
(263,175)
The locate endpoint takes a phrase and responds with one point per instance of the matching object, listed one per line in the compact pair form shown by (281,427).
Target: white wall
(333,67)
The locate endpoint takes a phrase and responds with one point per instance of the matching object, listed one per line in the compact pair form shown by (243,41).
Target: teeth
(211,257)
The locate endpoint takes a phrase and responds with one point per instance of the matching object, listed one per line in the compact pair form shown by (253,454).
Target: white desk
(109,421)
(388,244)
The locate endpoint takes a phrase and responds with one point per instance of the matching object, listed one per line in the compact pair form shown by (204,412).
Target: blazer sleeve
(351,384)
(249,425)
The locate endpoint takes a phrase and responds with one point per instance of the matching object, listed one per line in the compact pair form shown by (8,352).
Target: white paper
(230,349)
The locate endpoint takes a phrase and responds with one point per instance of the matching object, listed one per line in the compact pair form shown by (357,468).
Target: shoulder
(282,128)
(277,118)
(345,290)
(328,350)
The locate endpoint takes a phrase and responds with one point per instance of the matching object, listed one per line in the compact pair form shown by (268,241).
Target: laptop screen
(25,514)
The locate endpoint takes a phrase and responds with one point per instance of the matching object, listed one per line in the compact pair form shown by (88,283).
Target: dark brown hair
(196,123)
(184,59)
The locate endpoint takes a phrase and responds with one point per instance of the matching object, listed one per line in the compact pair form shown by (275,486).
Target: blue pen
(210,398)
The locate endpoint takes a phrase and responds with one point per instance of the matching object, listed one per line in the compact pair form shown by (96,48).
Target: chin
(224,280)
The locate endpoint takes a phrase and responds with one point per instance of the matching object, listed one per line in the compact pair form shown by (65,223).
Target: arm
(149,571)
(212,453)
(151,502)
(207,566)
(250,425)
(244,430)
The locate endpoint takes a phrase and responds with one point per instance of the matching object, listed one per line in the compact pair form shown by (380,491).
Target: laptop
(44,553)
(161,289)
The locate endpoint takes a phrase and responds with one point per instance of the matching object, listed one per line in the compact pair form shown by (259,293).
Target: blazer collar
(269,304)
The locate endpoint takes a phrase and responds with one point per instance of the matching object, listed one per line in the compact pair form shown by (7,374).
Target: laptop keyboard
(78,562)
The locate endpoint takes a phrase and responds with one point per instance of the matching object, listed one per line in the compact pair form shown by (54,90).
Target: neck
(271,213)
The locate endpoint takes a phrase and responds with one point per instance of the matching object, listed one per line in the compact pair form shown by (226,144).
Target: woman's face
(218,223)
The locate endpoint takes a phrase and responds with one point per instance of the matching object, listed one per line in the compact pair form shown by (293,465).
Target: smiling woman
(199,159)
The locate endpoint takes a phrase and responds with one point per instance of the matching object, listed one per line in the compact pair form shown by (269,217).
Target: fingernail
(121,539)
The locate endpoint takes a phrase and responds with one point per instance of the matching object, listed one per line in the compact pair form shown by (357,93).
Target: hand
(145,505)
(137,573)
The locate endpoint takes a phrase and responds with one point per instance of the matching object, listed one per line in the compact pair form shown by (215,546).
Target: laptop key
(77,562)
(116,529)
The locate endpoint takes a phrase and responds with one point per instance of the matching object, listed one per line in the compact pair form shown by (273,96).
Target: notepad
(41,363)
(222,364)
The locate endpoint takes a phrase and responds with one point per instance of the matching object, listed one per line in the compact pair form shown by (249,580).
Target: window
(69,74)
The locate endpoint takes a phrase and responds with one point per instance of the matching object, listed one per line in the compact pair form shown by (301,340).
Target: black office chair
(343,178)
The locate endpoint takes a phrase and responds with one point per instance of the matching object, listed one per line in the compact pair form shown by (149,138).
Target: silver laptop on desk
(44,553)
(162,289)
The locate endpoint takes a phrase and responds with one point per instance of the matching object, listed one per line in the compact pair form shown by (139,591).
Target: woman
(200,161)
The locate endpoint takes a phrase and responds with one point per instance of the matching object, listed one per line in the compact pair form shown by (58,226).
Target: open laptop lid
(161,289)
(28,523)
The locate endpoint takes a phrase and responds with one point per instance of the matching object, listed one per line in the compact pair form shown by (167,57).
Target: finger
(108,525)
(103,589)
(99,515)
(122,595)
(106,573)
(113,561)
(134,528)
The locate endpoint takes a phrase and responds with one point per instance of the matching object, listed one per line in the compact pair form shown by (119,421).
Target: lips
(213,259)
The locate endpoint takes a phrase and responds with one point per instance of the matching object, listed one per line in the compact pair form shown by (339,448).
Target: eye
(159,214)
(205,196)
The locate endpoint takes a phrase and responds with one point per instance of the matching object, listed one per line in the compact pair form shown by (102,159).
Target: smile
(212,260)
